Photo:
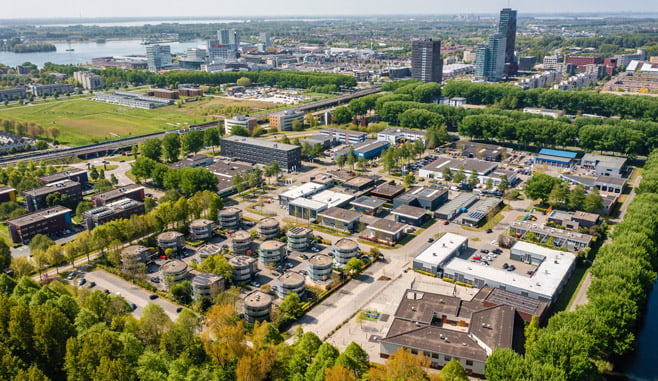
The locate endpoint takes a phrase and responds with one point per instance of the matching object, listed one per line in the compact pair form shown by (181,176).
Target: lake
(84,52)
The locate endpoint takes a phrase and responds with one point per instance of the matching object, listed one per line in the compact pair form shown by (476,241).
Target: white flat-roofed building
(304,190)
(344,136)
(306,208)
(546,283)
(436,168)
(394,135)
(435,257)
(332,199)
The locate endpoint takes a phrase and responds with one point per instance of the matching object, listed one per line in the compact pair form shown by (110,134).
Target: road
(130,292)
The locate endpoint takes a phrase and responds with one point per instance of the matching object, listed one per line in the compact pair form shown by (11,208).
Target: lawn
(84,121)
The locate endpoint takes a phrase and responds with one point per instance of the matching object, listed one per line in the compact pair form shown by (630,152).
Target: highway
(129,142)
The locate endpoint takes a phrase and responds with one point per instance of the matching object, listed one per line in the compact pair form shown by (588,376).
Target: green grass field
(84,121)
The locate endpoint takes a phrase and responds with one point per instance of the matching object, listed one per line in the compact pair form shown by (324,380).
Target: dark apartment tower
(426,63)
(507,27)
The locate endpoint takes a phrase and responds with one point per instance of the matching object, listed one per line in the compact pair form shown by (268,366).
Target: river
(641,365)
(85,51)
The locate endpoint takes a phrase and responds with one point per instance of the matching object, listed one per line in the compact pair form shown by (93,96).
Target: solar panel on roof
(476,215)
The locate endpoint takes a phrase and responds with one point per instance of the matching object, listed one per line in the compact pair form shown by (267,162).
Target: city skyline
(259,8)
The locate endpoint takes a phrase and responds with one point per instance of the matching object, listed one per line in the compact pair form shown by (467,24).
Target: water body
(83,52)
(641,364)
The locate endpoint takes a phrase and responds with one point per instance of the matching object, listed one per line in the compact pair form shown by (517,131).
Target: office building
(551,62)
(400,135)
(125,63)
(35,199)
(527,63)
(552,236)
(239,120)
(158,56)
(344,136)
(47,222)
(257,306)
(229,38)
(412,215)
(134,100)
(490,62)
(338,218)
(265,39)
(271,253)
(422,197)
(267,228)
(581,62)
(206,285)
(283,120)
(291,282)
(220,53)
(74,174)
(434,170)
(113,211)
(244,268)
(555,158)
(135,256)
(7,194)
(201,229)
(88,80)
(253,150)
(12,94)
(604,165)
(174,271)
(320,267)
(344,249)
(507,28)
(299,238)
(230,218)
(171,240)
(131,191)
(387,191)
(426,63)
(384,231)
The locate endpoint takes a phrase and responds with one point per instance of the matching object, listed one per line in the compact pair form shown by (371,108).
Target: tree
(238,183)
(192,141)
(171,146)
(243,81)
(359,358)
(401,365)
(151,148)
(593,201)
(473,179)
(539,186)
(453,371)
(182,292)
(339,373)
(239,131)
(446,174)
(40,242)
(5,255)
(216,264)
(340,161)
(409,180)
(531,333)
(436,136)
(291,307)
(93,173)
(576,198)
(362,163)
(342,115)
(325,358)
(503,185)
(152,324)
(211,137)
(460,176)
(114,180)
(558,195)
(351,158)
(354,266)
(297,125)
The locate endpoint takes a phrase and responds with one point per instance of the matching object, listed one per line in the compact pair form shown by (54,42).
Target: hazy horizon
(41,9)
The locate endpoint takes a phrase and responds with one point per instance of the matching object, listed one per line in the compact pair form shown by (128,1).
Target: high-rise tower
(507,27)
(426,63)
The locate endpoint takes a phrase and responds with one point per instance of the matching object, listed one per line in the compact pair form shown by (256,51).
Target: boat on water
(70,50)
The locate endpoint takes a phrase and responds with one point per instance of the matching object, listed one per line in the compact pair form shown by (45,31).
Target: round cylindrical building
(320,267)
(257,306)
(229,218)
(171,240)
(240,242)
(201,229)
(298,238)
(344,250)
(174,271)
(291,282)
(133,256)
(244,268)
(268,228)
(207,285)
(270,253)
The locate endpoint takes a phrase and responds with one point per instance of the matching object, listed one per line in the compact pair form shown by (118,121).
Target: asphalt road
(132,293)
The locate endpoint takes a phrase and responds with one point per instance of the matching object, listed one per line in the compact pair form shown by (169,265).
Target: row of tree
(171,146)
(187,180)
(578,345)
(286,79)
(558,194)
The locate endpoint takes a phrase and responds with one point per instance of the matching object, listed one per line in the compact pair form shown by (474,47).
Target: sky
(257,8)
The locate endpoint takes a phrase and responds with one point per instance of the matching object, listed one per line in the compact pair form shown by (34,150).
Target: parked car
(81,281)
(133,306)
(430,239)
(489,231)
(505,265)
(71,275)
(91,284)
(497,251)
(484,251)
(153,296)
(511,268)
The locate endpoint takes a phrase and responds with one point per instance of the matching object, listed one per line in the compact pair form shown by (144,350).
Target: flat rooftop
(558,153)
(302,190)
(480,166)
(334,130)
(387,226)
(605,160)
(359,181)
(261,143)
(368,202)
(331,198)
(427,193)
(340,214)
(369,145)
(61,175)
(52,187)
(619,181)
(388,190)
(409,211)
(457,202)
(39,215)
(299,230)
(442,249)
(551,232)
(118,192)
(307,203)
(400,131)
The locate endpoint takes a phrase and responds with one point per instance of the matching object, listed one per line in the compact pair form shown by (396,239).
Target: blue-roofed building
(556,158)
(369,149)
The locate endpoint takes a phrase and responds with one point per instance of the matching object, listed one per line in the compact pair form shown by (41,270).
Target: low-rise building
(35,199)
(387,191)
(604,165)
(610,184)
(224,172)
(573,220)
(244,268)
(89,80)
(171,240)
(271,253)
(134,100)
(74,174)
(174,271)
(267,228)
(478,214)
(7,194)
(338,218)
(547,235)
(135,256)
(433,259)
(412,215)
(230,218)
(239,120)
(283,120)
(291,282)
(367,149)
(359,183)
(344,249)
(480,151)
(201,229)
(208,250)
(423,197)
(555,158)
(131,191)
(434,170)
(304,190)
(240,242)
(39,90)
(257,306)
(455,206)
(368,205)
(309,208)
(121,209)
(320,267)
(385,231)
(207,285)
(12,94)
(299,238)
(47,222)
(344,136)
(192,161)
(400,135)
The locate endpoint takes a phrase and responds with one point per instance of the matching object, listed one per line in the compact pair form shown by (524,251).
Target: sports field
(85,121)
